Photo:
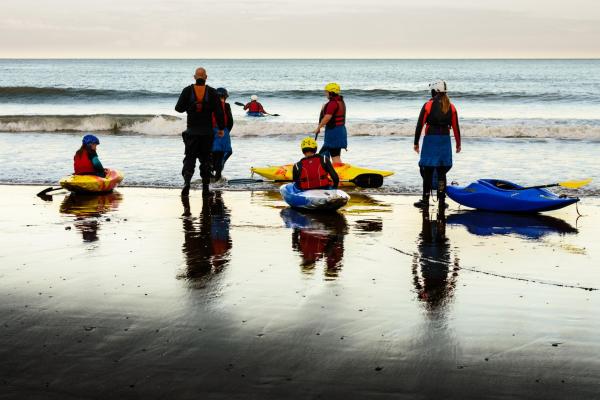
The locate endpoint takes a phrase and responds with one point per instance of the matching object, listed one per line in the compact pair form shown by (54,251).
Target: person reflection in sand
(88,209)
(207,242)
(433,278)
(316,237)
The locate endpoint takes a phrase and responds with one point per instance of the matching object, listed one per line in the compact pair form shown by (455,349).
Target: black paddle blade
(275,115)
(43,192)
(243,181)
(368,180)
(237,103)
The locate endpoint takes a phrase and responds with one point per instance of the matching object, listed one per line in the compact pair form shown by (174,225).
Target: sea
(529,121)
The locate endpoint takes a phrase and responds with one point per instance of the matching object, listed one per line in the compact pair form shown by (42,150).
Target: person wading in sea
(333,118)
(200,102)
(437,116)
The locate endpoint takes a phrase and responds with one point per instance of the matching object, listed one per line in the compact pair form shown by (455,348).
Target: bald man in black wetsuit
(199,101)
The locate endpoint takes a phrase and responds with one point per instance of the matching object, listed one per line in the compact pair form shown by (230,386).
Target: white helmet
(254,97)
(439,86)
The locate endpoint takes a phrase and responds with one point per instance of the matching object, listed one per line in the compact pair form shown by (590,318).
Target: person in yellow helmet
(333,118)
(314,171)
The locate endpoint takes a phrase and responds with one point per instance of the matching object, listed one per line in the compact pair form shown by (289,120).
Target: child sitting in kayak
(314,171)
(86,160)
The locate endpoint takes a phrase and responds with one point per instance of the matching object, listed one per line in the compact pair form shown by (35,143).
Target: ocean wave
(172,125)
(20,94)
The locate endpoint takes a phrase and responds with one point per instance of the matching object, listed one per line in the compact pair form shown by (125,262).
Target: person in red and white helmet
(437,117)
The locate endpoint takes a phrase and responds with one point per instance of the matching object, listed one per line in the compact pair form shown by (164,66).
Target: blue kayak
(254,114)
(315,199)
(484,223)
(503,196)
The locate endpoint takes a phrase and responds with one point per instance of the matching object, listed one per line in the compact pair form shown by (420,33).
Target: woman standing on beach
(333,118)
(221,148)
(437,116)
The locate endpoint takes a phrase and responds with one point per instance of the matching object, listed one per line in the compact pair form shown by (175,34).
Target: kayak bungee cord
(471,269)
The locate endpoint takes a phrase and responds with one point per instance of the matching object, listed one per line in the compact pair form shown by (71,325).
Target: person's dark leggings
(427,173)
(197,147)
(219,158)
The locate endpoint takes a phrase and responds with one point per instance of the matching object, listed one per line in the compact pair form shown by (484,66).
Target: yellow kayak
(346,172)
(92,183)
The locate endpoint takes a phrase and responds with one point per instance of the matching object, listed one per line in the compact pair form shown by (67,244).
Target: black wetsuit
(198,138)
(219,158)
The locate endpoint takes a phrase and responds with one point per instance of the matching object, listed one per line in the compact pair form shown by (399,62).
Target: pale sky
(299,29)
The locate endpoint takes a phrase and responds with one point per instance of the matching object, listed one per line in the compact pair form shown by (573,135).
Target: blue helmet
(222,92)
(90,139)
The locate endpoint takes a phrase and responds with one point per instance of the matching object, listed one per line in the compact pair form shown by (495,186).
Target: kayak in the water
(255,114)
(92,183)
(314,199)
(503,196)
(484,223)
(346,172)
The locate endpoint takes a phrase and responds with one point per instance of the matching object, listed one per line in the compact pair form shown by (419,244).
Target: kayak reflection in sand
(88,209)
(317,236)
(207,242)
(530,226)
(433,277)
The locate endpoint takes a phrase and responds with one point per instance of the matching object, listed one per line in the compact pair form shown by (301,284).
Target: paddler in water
(333,118)
(314,171)
(254,108)
(437,117)
(221,148)
(86,161)
(201,103)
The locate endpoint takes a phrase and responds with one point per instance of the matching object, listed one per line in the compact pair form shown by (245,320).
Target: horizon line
(306,58)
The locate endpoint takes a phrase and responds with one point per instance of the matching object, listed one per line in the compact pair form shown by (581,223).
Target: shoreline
(141,294)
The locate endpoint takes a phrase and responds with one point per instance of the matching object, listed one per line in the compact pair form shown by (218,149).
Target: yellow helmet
(308,143)
(333,87)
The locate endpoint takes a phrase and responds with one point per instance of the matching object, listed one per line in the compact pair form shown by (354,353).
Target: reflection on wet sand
(433,278)
(207,242)
(535,226)
(317,236)
(88,209)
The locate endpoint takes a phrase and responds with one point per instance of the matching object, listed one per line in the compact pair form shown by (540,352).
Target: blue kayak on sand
(503,196)
(314,199)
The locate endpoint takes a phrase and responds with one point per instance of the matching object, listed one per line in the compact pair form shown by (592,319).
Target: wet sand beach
(139,294)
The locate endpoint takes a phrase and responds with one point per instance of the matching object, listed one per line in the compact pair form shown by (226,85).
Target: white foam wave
(172,125)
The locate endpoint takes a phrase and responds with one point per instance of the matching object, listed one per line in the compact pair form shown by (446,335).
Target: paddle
(47,190)
(365,181)
(237,103)
(565,184)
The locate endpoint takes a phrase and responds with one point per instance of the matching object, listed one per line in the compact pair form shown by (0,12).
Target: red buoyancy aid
(225,117)
(255,106)
(338,118)
(313,175)
(199,95)
(82,164)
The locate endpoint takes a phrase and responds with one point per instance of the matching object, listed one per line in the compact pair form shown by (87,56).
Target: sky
(299,29)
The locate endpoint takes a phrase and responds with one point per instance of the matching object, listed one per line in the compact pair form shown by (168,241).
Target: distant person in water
(254,108)
(86,161)
(221,149)
(314,171)
(333,118)
(437,117)
(202,105)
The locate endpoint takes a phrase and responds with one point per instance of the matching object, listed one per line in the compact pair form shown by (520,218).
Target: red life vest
(254,106)
(82,164)
(225,117)
(312,173)
(338,118)
(199,96)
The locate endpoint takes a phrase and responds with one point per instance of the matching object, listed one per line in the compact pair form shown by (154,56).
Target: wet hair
(81,150)
(445,101)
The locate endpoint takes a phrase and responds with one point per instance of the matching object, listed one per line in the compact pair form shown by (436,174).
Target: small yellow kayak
(92,183)
(346,172)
